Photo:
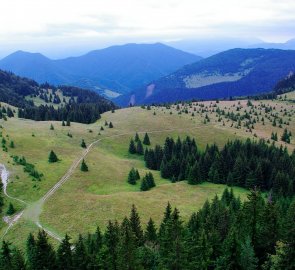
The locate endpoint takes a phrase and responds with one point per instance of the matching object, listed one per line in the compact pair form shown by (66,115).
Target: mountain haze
(237,72)
(117,68)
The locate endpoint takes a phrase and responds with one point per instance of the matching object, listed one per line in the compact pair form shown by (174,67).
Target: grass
(91,198)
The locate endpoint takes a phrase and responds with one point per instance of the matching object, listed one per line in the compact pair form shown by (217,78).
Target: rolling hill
(110,71)
(237,72)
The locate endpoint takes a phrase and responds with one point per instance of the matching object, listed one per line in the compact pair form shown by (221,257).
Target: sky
(61,27)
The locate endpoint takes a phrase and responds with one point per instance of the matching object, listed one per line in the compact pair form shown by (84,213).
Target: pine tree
(17,261)
(146,139)
(150,180)
(151,232)
(10,210)
(84,167)
(80,258)
(248,260)
(68,122)
(5,256)
(63,123)
(112,237)
(64,254)
(132,148)
(83,144)
(132,177)
(12,144)
(136,226)
(144,185)
(45,255)
(136,138)
(31,252)
(139,148)
(111,125)
(51,127)
(137,175)
(52,157)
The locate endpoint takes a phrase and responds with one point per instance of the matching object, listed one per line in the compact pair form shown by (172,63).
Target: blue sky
(62,26)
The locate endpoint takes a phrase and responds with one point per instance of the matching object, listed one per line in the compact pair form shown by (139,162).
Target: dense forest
(225,234)
(77,105)
(246,164)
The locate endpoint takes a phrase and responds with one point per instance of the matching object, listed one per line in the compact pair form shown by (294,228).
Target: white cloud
(51,21)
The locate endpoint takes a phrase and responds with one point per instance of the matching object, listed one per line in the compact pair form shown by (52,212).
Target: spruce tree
(10,210)
(52,157)
(139,148)
(132,148)
(84,167)
(132,177)
(146,139)
(248,260)
(51,127)
(111,125)
(63,123)
(64,254)
(136,138)
(83,144)
(136,226)
(150,180)
(80,258)
(144,185)
(150,234)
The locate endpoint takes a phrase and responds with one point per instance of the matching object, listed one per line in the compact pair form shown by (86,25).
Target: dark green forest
(248,164)
(225,234)
(83,106)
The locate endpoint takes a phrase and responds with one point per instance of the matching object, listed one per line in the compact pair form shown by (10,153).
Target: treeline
(246,164)
(83,106)
(226,234)
(75,112)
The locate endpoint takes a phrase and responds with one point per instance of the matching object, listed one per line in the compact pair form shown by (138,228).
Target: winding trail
(34,210)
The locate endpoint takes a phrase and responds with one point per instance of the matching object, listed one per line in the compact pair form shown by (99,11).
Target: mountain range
(236,72)
(111,71)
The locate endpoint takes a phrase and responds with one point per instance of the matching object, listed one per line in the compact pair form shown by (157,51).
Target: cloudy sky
(57,27)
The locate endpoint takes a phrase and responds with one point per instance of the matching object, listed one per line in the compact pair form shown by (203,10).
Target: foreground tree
(84,167)
(52,157)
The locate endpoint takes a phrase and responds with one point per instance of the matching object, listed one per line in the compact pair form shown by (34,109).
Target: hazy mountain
(288,45)
(209,47)
(117,68)
(236,72)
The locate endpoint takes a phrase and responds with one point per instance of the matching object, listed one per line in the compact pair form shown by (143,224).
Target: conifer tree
(83,144)
(45,255)
(144,185)
(146,139)
(52,157)
(84,167)
(80,258)
(136,138)
(132,177)
(111,125)
(63,123)
(150,232)
(10,210)
(137,175)
(139,148)
(51,127)
(248,261)
(136,226)
(5,256)
(64,254)
(68,122)
(112,237)
(12,144)
(132,148)
(150,180)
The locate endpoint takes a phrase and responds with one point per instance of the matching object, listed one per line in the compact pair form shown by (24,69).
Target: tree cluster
(225,234)
(246,164)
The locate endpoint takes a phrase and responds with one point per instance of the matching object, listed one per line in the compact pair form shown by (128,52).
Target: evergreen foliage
(52,157)
(84,167)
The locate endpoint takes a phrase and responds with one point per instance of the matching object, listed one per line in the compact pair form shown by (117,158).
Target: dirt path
(34,210)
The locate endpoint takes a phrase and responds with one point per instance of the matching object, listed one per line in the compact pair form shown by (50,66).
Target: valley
(90,199)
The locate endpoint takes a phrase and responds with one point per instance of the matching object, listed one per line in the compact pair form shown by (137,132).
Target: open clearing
(92,198)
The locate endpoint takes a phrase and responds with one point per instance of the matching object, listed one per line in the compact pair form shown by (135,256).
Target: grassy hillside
(236,72)
(91,198)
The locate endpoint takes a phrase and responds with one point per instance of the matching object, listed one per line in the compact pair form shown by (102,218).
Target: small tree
(139,148)
(12,144)
(136,138)
(10,210)
(150,180)
(68,122)
(83,144)
(51,127)
(132,149)
(52,157)
(146,139)
(111,125)
(84,167)
(63,123)
(144,185)
(132,177)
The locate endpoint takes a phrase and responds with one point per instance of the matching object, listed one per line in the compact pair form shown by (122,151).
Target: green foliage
(84,167)
(52,157)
